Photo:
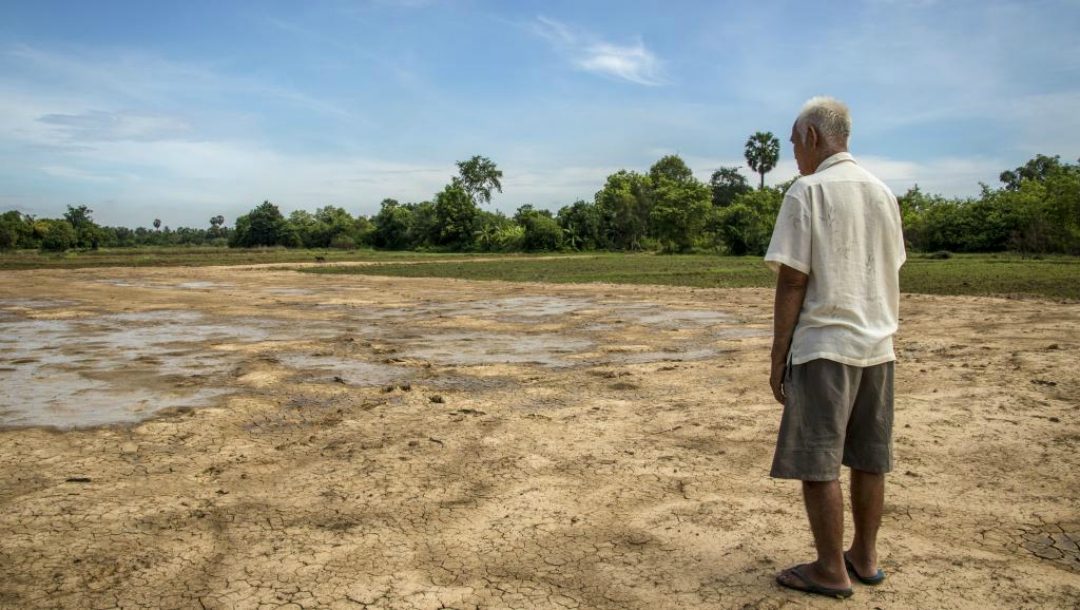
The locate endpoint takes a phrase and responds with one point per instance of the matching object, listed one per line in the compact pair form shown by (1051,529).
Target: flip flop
(809,586)
(876,579)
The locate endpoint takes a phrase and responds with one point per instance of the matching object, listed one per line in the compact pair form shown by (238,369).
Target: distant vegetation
(666,209)
(204,256)
(1004,274)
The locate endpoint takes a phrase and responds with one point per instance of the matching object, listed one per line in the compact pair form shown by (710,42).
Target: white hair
(829,116)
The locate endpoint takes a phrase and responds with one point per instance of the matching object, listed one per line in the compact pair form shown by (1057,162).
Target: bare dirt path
(367,442)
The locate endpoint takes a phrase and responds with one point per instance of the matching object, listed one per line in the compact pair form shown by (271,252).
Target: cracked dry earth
(257,438)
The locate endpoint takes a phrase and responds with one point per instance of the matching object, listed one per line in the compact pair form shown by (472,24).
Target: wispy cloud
(628,62)
(178,180)
(140,79)
(97,125)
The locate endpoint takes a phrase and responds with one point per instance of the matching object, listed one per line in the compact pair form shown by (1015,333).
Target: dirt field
(365,442)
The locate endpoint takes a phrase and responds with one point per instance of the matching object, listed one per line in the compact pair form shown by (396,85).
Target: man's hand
(790,292)
(776,380)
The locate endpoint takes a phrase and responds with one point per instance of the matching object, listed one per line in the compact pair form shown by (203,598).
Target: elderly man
(837,248)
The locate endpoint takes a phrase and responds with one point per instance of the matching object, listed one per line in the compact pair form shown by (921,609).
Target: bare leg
(825,508)
(867,504)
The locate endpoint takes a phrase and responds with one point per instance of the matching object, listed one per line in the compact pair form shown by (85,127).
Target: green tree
(624,205)
(746,226)
(1063,205)
(392,225)
(16,230)
(542,232)
(333,224)
(79,217)
(87,232)
(672,168)
(423,230)
(456,213)
(363,230)
(1037,168)
(741,229)
(55,235)
(727,183)
(307,228)
(680,204)
(914,205)
(762,153)
(263,226)
(478,177)
(581,225)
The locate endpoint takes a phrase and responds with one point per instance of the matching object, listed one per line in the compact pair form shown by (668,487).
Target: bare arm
(790,292)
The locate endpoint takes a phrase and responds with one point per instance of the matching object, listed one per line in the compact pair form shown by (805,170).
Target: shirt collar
(839,157)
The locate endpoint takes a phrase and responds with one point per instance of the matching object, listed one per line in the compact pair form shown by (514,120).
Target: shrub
(509,239)
(56,235)
(343,242)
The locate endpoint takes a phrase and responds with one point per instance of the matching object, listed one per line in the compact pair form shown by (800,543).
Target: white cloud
(130,166)
(632,63)
(74,173)
(550,188)
(948,176)
(99,125)
(231,177)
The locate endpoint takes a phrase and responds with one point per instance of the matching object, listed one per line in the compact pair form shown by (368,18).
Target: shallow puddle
(201,285)
(674,355)
(48,396)
(124,367)
(661,317)
(125,283)
(512,308)
(291,292)
(18,304)
(465,348)
(114,368)
(740,333)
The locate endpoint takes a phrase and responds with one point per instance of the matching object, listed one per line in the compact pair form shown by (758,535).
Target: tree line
(1035,211)
(667,209)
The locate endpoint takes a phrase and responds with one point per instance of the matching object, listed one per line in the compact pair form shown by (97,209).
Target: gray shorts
(835,413)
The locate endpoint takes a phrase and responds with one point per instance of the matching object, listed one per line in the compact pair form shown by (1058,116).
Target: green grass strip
(1056,278)
(202,256)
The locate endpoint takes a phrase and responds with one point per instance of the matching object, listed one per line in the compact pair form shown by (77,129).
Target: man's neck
(828,152)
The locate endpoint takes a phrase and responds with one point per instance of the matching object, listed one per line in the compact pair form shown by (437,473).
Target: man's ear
(811,137)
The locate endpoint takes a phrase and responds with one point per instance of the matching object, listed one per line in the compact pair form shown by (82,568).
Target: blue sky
(182,111)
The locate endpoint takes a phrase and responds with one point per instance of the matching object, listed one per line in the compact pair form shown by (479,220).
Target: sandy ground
(362,442)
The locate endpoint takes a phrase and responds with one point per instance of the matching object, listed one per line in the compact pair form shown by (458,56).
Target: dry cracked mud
(260,438)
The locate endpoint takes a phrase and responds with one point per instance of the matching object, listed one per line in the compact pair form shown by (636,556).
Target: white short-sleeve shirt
(841,226)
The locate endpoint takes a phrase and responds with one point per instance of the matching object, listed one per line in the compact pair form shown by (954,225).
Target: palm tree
(157,223)
(762,153)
